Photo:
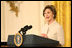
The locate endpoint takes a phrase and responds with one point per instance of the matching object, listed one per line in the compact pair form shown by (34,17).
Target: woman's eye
(48,12)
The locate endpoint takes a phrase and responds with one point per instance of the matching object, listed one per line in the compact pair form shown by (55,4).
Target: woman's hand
(44,35)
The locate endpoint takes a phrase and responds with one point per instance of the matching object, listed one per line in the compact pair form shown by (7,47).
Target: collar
(51,23)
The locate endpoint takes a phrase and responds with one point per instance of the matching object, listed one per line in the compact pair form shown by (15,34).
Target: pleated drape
(64,18)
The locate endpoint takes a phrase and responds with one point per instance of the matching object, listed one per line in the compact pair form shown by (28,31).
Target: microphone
(30,27)
(25,29)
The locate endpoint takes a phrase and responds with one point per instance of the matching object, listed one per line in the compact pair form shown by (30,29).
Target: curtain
(63,17)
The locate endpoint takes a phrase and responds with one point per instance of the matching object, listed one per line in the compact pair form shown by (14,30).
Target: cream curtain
(64,18)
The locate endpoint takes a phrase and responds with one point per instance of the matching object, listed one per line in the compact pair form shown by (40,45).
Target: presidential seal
(18,39)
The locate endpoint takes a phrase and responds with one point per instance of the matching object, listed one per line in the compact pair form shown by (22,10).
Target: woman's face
(48,15)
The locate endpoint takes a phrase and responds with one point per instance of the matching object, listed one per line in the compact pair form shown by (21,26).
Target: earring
(53,15)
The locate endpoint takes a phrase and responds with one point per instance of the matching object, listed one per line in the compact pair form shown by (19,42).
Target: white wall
(29,14)
(2,22)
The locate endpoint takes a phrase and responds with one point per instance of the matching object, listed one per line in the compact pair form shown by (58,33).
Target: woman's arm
(44,35)
(60,35)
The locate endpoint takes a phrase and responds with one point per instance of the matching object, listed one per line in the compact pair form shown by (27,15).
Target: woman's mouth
(47,17)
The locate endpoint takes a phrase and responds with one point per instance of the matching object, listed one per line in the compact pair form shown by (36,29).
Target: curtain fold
(64,18)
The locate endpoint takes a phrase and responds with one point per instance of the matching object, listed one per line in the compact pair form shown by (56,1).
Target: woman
(52,29)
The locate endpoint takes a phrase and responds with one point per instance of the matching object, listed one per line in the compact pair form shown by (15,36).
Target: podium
(33,41)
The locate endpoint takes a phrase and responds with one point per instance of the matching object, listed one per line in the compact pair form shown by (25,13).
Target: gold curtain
(64,18)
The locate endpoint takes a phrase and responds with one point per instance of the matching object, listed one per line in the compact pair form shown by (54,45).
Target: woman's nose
(46,14)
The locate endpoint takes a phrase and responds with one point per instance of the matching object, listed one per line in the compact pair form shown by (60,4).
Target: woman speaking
(52,29)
